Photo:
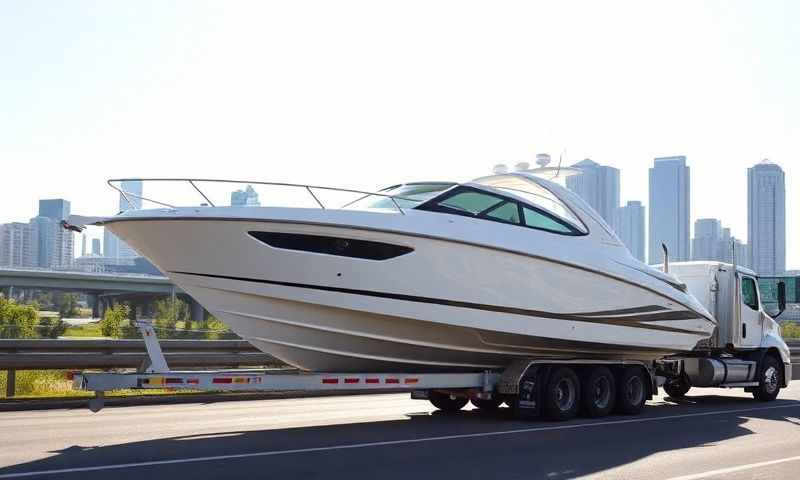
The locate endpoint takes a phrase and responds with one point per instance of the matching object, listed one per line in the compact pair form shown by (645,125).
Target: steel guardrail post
(11,382)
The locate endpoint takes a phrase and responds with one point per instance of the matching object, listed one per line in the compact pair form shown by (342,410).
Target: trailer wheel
(562,394)
(677,387)
(598,392)
(489,405)
(447,402)
(770,380)
(631,391)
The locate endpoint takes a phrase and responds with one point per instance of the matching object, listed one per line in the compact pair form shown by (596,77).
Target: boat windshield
(408,195)
(534,194)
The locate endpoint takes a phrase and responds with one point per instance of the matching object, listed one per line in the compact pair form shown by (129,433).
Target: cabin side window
(471,202)
(749,293)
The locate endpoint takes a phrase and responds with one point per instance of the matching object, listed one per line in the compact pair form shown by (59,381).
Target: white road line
(739,468)
(385,443)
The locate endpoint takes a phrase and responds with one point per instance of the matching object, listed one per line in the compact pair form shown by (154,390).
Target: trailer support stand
(158,364)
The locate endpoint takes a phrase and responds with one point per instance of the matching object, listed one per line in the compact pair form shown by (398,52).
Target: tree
(17,321)
(68,306)
(169,312)
(111,324)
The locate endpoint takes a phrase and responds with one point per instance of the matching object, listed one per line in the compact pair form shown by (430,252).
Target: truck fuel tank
(711,372)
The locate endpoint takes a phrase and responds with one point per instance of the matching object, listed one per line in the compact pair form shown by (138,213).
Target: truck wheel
(488,405)
(446,402)
(678,387)
(631,391)
(562,395)
(769,383)
(598,392)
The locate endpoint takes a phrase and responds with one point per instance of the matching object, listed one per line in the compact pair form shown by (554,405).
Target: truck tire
(769,381)
(488,405)
(678,387)
(598,392)
(445,402)
(562,394)
(631,391)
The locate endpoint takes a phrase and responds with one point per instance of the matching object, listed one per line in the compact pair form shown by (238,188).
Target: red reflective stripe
(330,380)
(392,380)
(222,380)
(351,380)
(412,380)
(373,380)
(193,381)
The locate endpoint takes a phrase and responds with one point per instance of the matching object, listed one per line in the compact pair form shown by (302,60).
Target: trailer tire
(486,404)
(769,380)
(562,394)
(631,391)
(677,388)
(598,392)
(446,402)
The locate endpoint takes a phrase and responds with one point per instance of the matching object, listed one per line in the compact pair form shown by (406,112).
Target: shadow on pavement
(554,451)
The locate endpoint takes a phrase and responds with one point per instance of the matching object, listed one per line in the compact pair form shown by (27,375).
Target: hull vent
(343,247)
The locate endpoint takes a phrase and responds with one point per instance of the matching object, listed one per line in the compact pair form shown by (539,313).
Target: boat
(419,277)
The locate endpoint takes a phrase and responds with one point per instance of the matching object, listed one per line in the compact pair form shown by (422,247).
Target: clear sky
(366,94)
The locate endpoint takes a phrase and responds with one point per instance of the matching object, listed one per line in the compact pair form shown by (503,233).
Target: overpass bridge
(101,288)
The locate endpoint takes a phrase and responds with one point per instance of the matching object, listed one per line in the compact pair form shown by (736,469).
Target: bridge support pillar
(94,302)
(197,312)
(11,382)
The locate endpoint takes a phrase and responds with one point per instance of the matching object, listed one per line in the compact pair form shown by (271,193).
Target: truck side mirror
(781,298)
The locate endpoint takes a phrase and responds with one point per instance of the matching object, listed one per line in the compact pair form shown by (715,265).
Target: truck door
(750,312)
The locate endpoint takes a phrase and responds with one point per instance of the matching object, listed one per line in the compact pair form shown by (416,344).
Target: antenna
(558,168)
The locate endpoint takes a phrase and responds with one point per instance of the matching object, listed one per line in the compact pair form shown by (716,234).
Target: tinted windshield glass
(412,195)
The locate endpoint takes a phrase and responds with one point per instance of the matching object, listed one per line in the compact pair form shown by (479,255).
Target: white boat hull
(446,305)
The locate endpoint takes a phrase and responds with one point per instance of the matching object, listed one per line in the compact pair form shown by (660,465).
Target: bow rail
(313,192)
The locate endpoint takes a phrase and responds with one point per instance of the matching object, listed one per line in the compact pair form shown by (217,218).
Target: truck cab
(746,348)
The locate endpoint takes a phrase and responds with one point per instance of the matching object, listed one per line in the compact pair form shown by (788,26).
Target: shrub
(17,321)
(115,317)
(790,330)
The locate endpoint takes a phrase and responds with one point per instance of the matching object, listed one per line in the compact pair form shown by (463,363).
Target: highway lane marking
(738,468)
(271,453)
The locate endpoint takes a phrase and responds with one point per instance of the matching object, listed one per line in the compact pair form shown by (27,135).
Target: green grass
(790,330)
(54,383)
(87,330)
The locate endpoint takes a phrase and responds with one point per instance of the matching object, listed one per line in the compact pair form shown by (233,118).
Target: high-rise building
(96,250)
(669,209)
(707,235)
(129,199)
(599,186)
(54,208)
(712,242)
(245,198)
(55,244)
(629,224)
(18,245)
(766,218)
(83,245)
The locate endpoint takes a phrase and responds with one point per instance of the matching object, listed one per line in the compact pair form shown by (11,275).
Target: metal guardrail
(49,354)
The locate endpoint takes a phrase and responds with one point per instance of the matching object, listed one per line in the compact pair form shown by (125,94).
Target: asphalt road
(715,434)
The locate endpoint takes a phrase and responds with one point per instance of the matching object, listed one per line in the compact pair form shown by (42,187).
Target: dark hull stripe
(634,321)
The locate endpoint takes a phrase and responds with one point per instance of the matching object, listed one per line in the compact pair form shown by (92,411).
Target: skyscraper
(629,224)
(766,218)
(113,247)
(707,235)
(669,209)
(96,250)
(55,244)
(245,198)
(599,186)
(18,245)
